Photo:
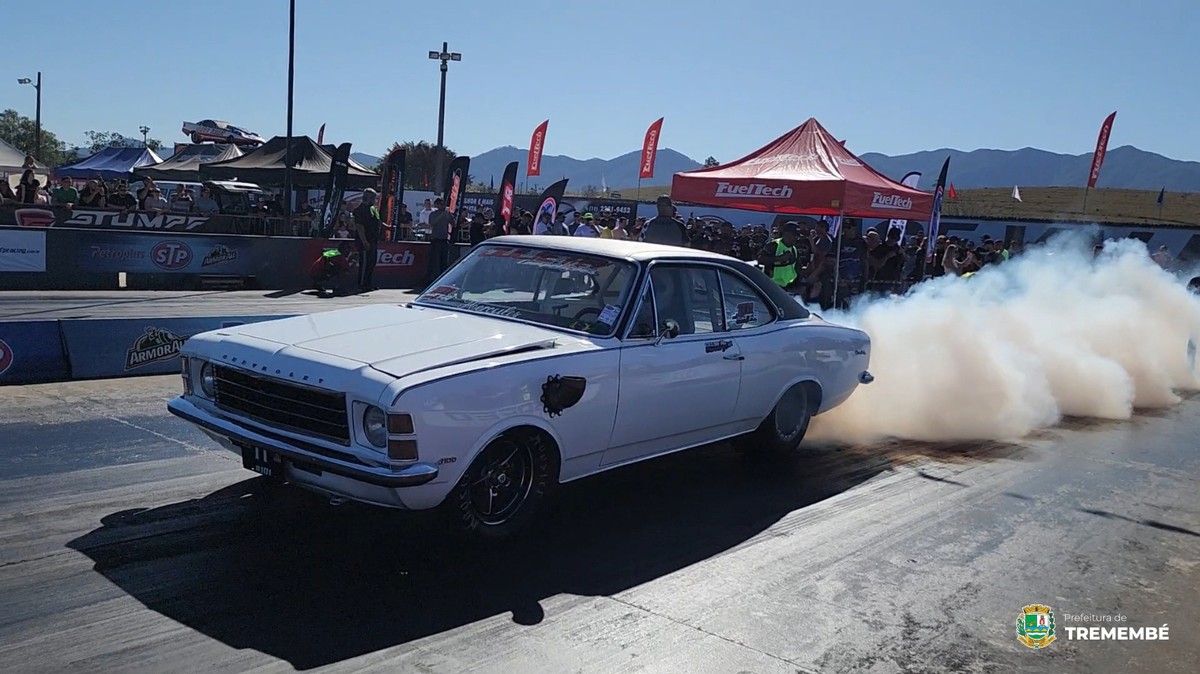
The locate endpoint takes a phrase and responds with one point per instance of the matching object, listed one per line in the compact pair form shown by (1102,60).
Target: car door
(768,363)
(681,390)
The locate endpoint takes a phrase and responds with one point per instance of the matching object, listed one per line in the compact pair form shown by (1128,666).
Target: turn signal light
(402,450)
(400,424)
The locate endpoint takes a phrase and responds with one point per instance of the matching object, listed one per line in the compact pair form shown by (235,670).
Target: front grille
(281,404)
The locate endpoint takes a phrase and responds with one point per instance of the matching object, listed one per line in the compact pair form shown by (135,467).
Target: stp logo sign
(171,255)
(6,356)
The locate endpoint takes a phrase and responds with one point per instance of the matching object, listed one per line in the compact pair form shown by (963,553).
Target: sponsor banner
(400,264)
(123,347)
(31,352)
(536,145)
(228,255)
(650,149)
(618,208)
(137,221)
(22,251)
(1101,149)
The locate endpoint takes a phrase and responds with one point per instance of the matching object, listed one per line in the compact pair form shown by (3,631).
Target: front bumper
(409,476)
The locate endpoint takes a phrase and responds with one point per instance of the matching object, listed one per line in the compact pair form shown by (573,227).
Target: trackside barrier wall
(125,347)
(31,351)
(91,259)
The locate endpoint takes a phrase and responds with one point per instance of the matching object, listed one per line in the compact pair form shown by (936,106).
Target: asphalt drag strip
(129,543)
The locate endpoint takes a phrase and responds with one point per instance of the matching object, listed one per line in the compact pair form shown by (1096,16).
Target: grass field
(1063,204)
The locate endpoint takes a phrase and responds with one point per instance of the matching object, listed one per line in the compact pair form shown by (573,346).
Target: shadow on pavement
(280,571)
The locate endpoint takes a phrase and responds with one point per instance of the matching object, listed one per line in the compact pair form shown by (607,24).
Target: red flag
(952,194)
(650,149)
(321,135)
(1101,148)
(535,149)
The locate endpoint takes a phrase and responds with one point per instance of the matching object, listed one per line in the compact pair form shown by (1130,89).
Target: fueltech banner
(650,149)
(536,144)
(1101,149)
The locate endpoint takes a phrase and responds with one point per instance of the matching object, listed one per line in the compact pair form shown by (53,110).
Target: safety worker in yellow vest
(780,256)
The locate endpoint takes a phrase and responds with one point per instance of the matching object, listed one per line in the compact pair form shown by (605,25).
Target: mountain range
(1124,167)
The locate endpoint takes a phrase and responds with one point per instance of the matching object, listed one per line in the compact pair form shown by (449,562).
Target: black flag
(935,218)
(456,183)
(339,170)
(508,188)
(549,201)
(393,189)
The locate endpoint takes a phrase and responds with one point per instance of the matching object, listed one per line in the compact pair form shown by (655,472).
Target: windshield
(560,289)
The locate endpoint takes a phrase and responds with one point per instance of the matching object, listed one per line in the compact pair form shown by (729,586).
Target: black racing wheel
(502,490)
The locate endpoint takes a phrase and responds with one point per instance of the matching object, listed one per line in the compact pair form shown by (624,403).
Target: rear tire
(501,493)
(780,434)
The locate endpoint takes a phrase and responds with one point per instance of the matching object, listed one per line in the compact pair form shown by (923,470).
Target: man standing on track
(666,228)
(367,229)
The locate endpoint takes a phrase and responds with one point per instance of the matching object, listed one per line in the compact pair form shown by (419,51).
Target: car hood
(400,340)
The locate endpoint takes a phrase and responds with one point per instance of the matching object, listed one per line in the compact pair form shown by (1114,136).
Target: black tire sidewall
(461,512)
(767,441)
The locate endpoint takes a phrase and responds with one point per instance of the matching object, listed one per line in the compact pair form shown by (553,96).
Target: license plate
(262,461)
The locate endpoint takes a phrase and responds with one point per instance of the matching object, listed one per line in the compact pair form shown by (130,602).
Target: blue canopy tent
(110,163)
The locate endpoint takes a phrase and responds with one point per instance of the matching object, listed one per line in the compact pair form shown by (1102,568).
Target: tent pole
(837,257)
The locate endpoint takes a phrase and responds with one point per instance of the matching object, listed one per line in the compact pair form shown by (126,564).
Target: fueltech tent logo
(760,190)
(893,201)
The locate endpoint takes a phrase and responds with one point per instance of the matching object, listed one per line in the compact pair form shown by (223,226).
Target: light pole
(445,56)
(37,124)
(145,130)
(287,152)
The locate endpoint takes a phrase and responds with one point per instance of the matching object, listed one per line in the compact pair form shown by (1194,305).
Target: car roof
(629,250)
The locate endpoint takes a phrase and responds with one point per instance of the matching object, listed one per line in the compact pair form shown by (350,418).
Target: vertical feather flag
(456,182)
(910,179)
(951,194)
(392,195)
(508,187)
(650,149)
(1016,193)
(339,171)
(1161,194)
(321,135)
(536,144)
(935,218)
(1101,149)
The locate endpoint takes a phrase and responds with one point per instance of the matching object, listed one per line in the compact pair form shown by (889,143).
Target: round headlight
(375,426)
(208,380)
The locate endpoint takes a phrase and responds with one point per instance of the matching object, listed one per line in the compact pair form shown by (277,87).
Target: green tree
(21,132)
(420,163)
(711,161)
(98,140)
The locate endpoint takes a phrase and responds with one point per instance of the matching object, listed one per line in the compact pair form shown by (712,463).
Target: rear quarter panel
(810,349)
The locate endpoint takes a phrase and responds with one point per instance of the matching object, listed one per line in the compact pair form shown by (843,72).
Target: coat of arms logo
(1035,626)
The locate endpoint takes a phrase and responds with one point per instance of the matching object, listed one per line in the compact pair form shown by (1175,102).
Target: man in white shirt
(423,216)
(587,227)
(544,227)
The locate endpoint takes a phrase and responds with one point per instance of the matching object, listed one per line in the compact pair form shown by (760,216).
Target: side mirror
(669,330)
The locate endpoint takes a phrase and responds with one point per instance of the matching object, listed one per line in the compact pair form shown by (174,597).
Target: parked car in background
(220,132)
(534,361)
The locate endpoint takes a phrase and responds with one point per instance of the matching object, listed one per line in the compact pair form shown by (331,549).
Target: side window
(643,323)
(689,296)
(744,307)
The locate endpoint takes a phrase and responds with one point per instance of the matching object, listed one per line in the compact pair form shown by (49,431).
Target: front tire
(501,493)
(780,434)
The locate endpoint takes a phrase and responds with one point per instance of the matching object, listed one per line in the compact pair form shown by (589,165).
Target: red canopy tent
(805,171)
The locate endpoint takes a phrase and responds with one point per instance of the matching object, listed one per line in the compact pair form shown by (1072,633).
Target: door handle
(734,356)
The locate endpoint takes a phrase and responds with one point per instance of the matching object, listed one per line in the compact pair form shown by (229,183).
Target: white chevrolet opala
(534,361)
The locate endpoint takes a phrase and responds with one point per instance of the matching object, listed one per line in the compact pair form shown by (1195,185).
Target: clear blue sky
(888,76)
